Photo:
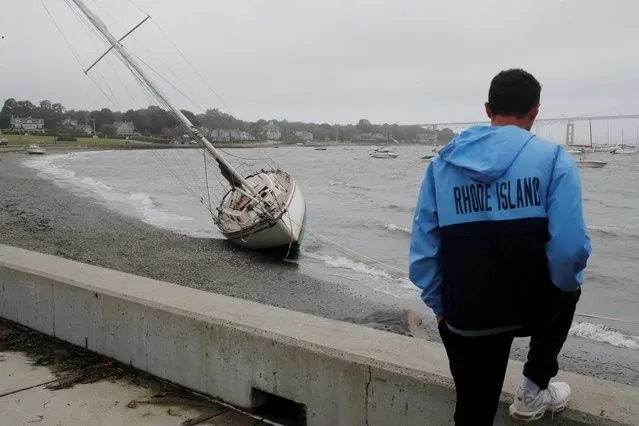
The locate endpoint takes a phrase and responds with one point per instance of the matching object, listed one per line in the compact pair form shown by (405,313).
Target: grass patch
(50,140)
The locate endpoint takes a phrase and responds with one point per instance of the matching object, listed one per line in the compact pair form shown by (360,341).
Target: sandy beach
(38,215)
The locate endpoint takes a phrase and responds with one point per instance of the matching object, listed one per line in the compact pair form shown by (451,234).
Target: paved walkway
(27,398)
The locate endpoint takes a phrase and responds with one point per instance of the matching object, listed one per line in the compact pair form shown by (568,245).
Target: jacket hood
(484,153)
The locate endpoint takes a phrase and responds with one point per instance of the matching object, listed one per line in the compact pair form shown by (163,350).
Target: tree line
(153,121)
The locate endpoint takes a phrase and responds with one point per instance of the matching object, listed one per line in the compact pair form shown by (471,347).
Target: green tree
(445,135)
(365,126)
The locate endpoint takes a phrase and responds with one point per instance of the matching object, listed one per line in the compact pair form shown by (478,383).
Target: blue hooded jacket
(499,216)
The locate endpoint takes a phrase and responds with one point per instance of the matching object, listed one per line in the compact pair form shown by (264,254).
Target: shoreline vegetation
(18,142)
(51,123)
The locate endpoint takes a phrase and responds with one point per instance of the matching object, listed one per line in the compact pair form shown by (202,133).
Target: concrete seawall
(240,351)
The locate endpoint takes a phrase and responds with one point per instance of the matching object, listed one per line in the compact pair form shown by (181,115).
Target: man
(498,249)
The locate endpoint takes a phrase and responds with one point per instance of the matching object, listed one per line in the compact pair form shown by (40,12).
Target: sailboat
(584,163)
(322,147)
(261,211)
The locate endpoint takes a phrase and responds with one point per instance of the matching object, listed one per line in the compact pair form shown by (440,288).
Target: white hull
(590,164)
(284,231)
(384,155)
(624,151)
(35,150)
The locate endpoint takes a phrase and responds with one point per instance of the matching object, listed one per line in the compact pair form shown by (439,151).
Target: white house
(124,128)
(272,132)
(72,125)
(35,125)
(304,135)
(222,135)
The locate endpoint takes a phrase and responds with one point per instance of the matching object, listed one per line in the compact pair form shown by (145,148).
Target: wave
(615,230)
(393,227)
(143,204)
(398,208)
(604,334)
(342,262)
(346,184)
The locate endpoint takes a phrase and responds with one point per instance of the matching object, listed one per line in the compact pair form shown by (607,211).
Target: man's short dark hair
(513,92)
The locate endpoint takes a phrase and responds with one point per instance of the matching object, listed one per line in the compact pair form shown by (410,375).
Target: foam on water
(346,184)
(53,167)
(369,271)
(393,227)
(604,334)
(630,230)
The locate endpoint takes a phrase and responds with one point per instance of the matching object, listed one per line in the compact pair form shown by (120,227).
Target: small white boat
(590,164)
(604,149)
(384,152)
(626,151)
(34,149)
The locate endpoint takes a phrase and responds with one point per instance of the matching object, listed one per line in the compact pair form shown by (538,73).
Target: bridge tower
(570,133)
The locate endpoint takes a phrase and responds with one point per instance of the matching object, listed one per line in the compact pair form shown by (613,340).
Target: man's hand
(439,319)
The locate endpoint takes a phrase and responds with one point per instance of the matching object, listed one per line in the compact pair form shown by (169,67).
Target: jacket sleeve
(569,246)
(424,270)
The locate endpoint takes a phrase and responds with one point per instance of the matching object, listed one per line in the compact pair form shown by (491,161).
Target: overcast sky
(332,61)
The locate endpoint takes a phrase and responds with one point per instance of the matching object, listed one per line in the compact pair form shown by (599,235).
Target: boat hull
(387,155)
(591,164)
(283,235)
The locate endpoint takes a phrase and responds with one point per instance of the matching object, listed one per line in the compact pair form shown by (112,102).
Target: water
(359,215)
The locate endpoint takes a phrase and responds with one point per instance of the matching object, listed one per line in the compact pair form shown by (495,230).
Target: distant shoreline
(231,145)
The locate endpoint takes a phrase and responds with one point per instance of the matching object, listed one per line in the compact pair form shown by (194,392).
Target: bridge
(569,121)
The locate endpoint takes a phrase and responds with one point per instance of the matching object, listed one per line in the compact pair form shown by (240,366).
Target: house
(304,135)
(370,137)
(124,128)
(224,135)
(427,138)
(73,126)
(272,132)
(85,128)
(34,125)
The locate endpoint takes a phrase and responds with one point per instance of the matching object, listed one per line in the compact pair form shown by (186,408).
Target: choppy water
(357,204)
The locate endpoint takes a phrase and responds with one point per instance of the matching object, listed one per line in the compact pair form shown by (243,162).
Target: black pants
(478,364)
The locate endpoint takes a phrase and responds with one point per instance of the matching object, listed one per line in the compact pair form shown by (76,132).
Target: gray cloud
(333,60)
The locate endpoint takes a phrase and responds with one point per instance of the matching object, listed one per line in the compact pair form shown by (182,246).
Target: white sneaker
(528,407)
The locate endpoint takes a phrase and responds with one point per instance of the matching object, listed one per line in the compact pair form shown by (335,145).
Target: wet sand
(36,214)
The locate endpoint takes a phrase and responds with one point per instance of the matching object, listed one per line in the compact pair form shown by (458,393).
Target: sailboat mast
(235,177)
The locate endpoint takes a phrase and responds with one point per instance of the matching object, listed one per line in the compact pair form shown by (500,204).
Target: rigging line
(138,7)
(132,36)
(193,186)
(106,95)
(73,50)
(87,25)
(124,85)
(193,68)
(115,101)
(167,81)
(246,158)
(174,174)
(191,173)
(158,58)
(68,42)
(206,177)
